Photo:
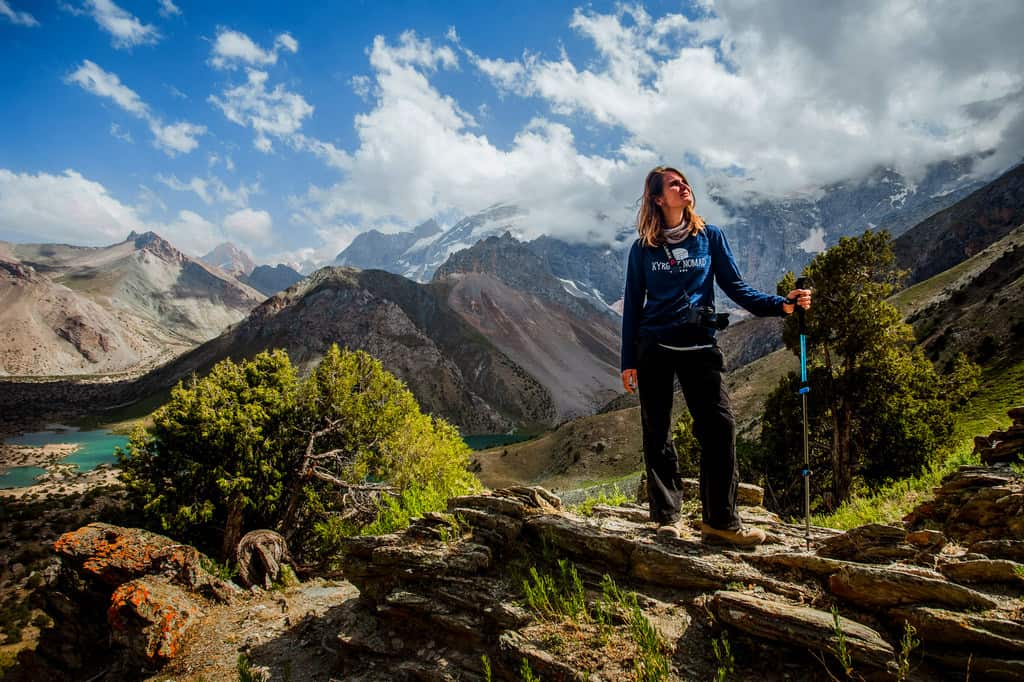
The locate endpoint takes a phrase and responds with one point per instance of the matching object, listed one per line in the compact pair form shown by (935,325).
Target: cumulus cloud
(231,48)
(250,226)
(124,28)
(69,208)
(177,137)
(190,233)
(15,17)
(212,189)
(775,98)
(169,9)
(269,112)
(105,84)
(66,208)
(421,155)
(171,138)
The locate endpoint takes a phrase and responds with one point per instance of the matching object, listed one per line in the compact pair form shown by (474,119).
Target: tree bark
(233,526)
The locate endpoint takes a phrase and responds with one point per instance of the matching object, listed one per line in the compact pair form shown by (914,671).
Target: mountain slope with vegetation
(452,370)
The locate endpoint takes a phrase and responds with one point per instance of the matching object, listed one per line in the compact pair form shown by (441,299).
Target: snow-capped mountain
(772,236)
(419,253)
(768,236)
(230,259)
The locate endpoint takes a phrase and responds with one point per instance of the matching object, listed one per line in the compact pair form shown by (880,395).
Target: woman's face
(675,193)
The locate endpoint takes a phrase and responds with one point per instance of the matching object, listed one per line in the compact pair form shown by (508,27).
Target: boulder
(888,587)
(260,556)
(1003,446)
(872,543)
(150,618)
(984,571)
(966,631)
(999,549)
(802,626)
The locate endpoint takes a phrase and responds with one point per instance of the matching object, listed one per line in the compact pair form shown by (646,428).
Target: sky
(289,128)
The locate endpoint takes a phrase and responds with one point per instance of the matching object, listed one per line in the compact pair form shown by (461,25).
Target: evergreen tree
(251,446)
(213,461)
(877,407)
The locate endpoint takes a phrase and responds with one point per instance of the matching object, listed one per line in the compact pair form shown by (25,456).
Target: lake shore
(60,477)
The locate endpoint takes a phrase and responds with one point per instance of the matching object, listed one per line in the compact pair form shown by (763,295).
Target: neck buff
(676,234)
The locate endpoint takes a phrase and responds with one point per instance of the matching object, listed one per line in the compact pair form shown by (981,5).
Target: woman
(666,334)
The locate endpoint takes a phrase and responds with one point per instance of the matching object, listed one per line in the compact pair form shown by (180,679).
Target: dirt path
(291,632)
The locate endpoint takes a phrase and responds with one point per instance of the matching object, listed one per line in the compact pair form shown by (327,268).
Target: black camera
(705,316)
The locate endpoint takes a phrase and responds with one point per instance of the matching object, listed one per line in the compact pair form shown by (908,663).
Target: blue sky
(287,128)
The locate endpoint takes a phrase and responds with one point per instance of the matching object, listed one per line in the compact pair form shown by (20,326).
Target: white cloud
(177,137)
(124,28)
(120,133)
(815,242)
(420,155)
(169,9)
(105,84)
(305,260)
(286,42)
(15,17)
(172,139)
(190,233)
(250,226)
(270,113)
(71,209)
(212,189)
(66,208)
(782,97)
(233,47)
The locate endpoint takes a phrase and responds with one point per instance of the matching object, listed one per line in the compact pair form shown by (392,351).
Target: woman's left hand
(802,298)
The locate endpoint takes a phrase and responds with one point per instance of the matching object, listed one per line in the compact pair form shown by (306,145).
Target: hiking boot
(670,530)
(744,536)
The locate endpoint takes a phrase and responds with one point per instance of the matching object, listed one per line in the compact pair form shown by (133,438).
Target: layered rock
(1003,446)
(457,577)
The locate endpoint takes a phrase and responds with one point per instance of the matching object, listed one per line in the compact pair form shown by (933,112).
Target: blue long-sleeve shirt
(658,295)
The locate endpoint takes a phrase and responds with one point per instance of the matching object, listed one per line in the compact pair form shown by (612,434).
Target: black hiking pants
(700,375)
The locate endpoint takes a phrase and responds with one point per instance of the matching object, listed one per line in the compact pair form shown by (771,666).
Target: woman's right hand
(629,380)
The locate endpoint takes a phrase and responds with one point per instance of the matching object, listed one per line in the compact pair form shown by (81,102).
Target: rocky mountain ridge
(771,236)
(768,236)
(268,280)
(100,310)
(955,234)
(566,339)
(452,370)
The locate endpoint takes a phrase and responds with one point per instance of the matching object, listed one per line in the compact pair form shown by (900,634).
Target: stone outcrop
(122,602)
(447,598)
(1003,446)
(977,504)
(457,578)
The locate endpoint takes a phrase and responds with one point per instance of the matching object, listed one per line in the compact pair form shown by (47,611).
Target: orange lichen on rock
(151,618)
(110,553)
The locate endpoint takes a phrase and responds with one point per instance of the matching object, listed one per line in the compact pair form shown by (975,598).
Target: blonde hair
(649,219)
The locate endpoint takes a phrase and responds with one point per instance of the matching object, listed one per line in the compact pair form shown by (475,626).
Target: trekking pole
(805,388)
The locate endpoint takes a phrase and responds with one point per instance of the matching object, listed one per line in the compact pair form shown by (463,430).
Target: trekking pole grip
(802,283)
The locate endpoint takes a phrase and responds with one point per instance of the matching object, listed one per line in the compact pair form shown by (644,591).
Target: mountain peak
(230,259)
(155,244)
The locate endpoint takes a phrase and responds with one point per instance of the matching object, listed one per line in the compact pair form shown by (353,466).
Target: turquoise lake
(95,448)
